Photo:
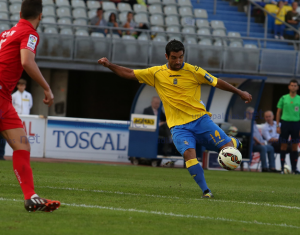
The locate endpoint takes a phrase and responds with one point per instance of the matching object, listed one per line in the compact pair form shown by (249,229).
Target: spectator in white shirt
(21,99)
(269,131)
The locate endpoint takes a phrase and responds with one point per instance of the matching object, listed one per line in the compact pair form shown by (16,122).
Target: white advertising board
(34,127)
(87,139)
(143,122)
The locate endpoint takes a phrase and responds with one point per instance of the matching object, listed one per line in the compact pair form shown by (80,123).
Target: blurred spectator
(2,147)
(113,23)
(279,26)
(98,20)
(260,146)
(292,17)
(285,2)
(21,99)
(131,24)
(164,130)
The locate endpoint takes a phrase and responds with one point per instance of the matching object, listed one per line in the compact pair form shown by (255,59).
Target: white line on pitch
(168,214)
(168,197)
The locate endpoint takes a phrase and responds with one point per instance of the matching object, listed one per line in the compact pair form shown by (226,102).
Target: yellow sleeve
(204,77)
(146,75)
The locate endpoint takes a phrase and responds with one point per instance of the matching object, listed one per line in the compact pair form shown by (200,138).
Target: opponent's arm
(119,70)
(227,87)
(278,116)
(29,65)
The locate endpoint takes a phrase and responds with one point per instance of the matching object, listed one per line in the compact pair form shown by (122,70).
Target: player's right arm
(278,114)
(119,70)
(31,68)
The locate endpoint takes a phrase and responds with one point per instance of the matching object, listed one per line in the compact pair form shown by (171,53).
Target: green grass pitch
(118,199)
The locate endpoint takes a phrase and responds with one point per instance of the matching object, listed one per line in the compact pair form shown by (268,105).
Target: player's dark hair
(175,46)
(294,81)
(99,9)
(31,9)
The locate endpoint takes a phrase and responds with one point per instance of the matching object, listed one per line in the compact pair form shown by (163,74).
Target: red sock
(23,172)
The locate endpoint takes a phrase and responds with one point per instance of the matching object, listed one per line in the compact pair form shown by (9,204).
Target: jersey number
(217,134)
(3,40)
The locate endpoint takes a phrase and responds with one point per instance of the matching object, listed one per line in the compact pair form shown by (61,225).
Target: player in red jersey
(17,52)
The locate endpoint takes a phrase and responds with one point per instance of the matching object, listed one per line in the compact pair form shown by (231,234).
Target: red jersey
(21,36)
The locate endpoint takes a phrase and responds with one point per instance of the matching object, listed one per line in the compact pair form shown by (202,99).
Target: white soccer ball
(229,158)
(287,169)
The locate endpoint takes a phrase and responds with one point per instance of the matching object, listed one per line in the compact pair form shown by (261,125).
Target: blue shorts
(202,131)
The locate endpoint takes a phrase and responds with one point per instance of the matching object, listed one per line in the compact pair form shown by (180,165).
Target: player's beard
(175,67)
(37,25)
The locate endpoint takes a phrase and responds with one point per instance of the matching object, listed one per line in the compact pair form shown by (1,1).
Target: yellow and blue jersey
(180,91)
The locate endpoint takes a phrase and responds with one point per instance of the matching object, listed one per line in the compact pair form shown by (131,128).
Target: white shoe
(276,37)
(281,37)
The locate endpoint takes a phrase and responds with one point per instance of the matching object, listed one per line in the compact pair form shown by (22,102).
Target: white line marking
(168,197)
(168,214)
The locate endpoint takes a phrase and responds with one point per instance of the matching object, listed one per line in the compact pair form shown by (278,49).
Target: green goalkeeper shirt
(290,108)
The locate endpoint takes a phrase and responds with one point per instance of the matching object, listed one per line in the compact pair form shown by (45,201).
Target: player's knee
(189,154)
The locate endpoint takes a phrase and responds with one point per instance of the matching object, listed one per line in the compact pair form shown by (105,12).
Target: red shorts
(9,118)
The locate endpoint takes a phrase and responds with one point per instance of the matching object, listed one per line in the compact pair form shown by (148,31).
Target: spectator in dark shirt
(113,23)
(291,17)
(98,20)
(131,24)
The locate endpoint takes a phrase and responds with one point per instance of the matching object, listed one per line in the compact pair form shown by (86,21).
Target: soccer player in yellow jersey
(178,84)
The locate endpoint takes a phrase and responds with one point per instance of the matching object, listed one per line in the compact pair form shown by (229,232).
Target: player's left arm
(221,84)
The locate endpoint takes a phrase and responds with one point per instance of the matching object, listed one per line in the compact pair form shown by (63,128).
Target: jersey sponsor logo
(208,78)
(196,67)
(143,121)
(1,41)
(32,40)
(296,109)
(8,34)
(185,142)
(175,76)
(175,81)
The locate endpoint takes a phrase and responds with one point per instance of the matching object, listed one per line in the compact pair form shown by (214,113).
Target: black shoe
(265,170)
(40,204)
(2,159)
(296,173)
(275,171)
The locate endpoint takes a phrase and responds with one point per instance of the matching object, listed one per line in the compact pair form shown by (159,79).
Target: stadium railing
(86,50)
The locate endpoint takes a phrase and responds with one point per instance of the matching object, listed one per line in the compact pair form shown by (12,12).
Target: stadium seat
(15,17)
(92,13)
(128,37)
(143,37)
(157,20)
(154,2)
(178,38)
(79,13)
(3,16)
(172,20)
(219,32)
(236,44)
(217,24)
(50,20)
(200,13)
(39,29)
(63,12)
(186,11)
(97,35)
(159,29)
(65,21)
(4,27)
(123,17)
(66,31)
(173,31)
(219,43)
(205,42)
(159,38)
(48,11)
(187,21)
(124,7)
(185,3)
(138,8)
(15,1)
(189,30)
(141,18)
(190,40)
(50,30)
(78,4)
(250,46)
(81,32)
(109,6)
(62,3)
(169,2)
(3,7)
(81,22)
(93,5)
(15,8)
(237,36)
(47,3)
(155,9)
(202,23)
(203,32)
(113,36)
(170,11)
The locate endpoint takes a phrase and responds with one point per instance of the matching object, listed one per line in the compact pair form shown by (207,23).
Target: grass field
(108,199)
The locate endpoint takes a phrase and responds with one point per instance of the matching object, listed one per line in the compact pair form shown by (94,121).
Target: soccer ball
(229,158)
(287,169)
